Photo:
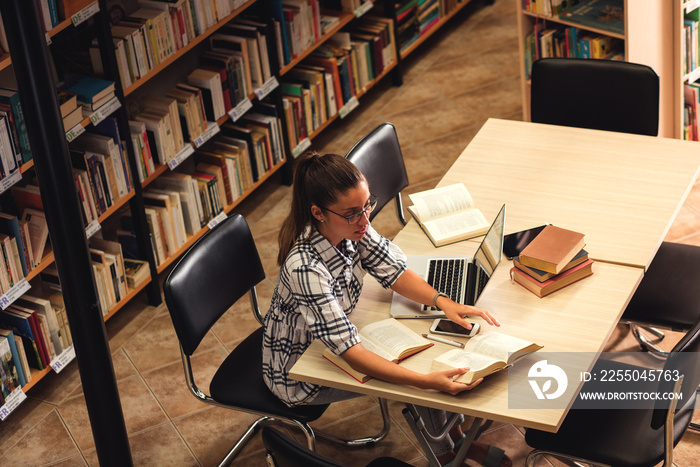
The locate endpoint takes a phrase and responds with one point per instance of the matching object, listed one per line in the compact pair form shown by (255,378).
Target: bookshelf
(647,39)
(686,68)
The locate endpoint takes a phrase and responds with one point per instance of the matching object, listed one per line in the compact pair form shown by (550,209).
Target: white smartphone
(448,328)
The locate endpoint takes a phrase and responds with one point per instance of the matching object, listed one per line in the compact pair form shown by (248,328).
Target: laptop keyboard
(447,276)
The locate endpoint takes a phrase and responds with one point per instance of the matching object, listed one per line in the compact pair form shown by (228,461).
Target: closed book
(544,275)
(16,359)
(19,324)
(89,89)
(552,249)
(557,282)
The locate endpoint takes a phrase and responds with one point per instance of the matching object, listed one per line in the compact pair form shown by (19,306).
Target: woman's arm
(414,287)
(372,364)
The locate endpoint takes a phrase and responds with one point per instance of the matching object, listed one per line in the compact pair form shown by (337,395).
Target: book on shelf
(389,339)
(10,154)
(606,15)
(38,232)
(136,272)
(484,354)
(72,119)
(18,359)
(24,324)
(447,214)
(89,89)
(9,374)
(552,249)
(541,276)
(43,307)
(559,281)
(11,97)
(212,93)
(9,225)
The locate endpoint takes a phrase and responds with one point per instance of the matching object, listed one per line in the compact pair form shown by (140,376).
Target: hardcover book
(552,249)
(447,214)
(485,354)
(542,289)
(387,338)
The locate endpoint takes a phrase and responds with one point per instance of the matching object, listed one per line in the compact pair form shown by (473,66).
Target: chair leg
(535,455)
(250,432)
(367,441)
(645,342)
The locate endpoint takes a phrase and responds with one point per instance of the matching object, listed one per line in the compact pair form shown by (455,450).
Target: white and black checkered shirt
(318,287)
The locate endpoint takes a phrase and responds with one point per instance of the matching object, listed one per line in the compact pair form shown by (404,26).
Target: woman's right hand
(444,381)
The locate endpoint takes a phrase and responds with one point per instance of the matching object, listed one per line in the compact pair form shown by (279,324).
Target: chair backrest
(685,360)
(378,156)
(286,452)
(597,94)
(211,276)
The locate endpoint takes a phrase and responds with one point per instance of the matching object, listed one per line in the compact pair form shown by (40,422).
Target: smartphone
(448,328)
(514,243)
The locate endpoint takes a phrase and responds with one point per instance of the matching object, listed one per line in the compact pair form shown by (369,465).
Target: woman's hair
(318,180)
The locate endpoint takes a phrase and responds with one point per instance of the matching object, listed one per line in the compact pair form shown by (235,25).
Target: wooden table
(622,191)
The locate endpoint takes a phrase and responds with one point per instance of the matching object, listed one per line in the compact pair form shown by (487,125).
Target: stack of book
(92,92)
(553,260)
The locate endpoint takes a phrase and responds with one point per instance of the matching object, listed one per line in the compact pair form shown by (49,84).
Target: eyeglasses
(355,218)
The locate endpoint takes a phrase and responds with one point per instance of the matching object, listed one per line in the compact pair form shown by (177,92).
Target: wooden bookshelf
(648,40)
(435,28)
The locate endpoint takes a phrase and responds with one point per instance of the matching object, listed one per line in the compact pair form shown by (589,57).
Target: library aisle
(453,83)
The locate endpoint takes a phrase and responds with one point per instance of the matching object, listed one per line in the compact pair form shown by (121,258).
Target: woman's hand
(444,381)
(457,313)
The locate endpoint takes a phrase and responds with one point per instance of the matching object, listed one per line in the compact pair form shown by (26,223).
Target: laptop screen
(489,253)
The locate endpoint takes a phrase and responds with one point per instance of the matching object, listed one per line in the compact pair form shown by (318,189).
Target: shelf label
(85,13)
(242,107)
(48,39)
(691,5)
(267,88)
(303,145)
(212,129)
(7,182)
(63,359)
(105,111)
(349,107)
(74,132)
(184,153)
(364,8)
(12,402)
(92,228)
(694,75)
(217,220)
(17,290)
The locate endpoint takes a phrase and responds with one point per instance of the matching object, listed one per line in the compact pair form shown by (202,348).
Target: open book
(387,338)
(484,354)
(447,214)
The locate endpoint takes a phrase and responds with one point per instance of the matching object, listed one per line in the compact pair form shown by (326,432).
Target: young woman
(326,245)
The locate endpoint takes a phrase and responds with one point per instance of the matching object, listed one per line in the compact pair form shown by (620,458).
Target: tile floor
(452,85)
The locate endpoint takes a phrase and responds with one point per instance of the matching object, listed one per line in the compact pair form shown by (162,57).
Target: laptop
(462,278)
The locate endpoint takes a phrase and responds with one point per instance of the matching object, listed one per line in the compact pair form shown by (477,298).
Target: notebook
(462,278)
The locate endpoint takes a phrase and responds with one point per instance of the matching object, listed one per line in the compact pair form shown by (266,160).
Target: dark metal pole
(52,164)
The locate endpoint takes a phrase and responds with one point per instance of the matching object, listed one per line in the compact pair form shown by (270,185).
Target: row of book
(334,74)
(690,42)
(33,330)
(14,140)
(156,30)
(179,203)
(23,241)
(547,7)
(571,42)
(414,18)
(691,107)
(554,259)
(100,169)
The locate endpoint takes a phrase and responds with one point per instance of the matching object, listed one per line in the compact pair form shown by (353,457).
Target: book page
(461,359)
(437,202)
(392,336)
(496,345)
(456,224)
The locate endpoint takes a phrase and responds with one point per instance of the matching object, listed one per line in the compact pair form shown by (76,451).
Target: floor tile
(21,422)
(34,449)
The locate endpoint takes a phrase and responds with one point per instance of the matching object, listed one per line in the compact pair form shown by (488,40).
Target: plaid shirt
(318,286)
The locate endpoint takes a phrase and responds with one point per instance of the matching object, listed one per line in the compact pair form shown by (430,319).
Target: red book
(557,282)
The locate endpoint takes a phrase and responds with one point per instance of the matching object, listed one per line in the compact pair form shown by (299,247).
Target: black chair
(378,156)
(218,270)
(598,94)
(622,96)
(282,451)
(626,437)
